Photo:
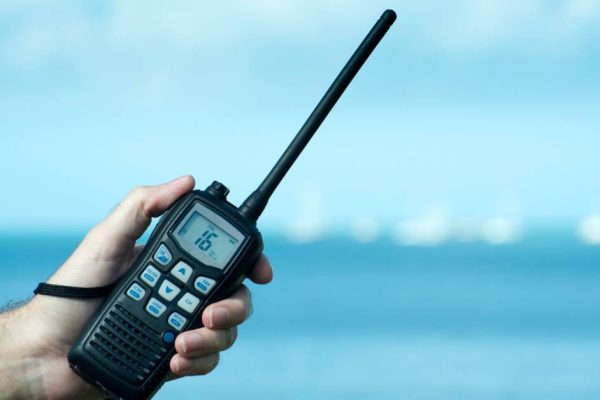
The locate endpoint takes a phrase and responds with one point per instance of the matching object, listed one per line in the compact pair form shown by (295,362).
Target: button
(168,290)
(182,271)
(150,275)
(177,321)
(155,307)
(136,292)
(168,337)
(188,302)
(217,189)
(163,255)
(204,284)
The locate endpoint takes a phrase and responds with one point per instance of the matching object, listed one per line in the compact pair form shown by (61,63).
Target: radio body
(199,252)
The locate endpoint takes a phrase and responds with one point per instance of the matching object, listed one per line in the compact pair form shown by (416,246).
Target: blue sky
(470,109)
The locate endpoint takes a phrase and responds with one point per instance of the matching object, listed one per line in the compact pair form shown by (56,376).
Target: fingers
(198,349)
(229,312)
(131,218)
(262,272)
(182,366)
(204,341)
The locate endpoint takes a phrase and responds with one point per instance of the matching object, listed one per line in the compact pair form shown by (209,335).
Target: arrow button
(168,290)
(182,271)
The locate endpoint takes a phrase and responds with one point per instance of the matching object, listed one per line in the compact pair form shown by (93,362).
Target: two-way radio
(200,252)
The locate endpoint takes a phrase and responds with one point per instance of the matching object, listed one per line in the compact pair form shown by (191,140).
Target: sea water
(344,320)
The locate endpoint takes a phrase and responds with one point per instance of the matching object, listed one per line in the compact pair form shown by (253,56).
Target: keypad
(150,275)
(155,307)
(136,292)
(177,321)
(168,290)
(173,288)
(188,302)
(182,271)
(203,284)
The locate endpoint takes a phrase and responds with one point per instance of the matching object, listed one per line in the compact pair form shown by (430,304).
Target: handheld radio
(199,253)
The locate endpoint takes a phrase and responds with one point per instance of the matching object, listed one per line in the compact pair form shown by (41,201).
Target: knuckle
(137,191)
(139,199)
(138,194)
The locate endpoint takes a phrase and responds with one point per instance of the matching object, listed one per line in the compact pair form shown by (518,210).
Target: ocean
(344,320)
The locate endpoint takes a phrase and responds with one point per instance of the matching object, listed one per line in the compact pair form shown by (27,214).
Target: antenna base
(253,206)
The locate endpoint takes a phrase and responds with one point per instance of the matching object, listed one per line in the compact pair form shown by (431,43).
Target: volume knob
(217,189)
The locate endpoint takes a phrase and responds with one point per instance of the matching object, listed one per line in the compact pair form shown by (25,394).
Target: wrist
(20,369)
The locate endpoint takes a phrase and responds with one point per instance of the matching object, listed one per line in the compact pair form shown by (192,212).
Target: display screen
(206,241)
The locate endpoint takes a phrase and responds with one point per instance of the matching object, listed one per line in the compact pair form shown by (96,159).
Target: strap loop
(73,292)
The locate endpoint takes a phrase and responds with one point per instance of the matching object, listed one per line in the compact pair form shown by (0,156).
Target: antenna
(254,205)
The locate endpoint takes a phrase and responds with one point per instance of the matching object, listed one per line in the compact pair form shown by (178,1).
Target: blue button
(155,307)
(168,337)
(150,275)
(136,292)
(177,321)
(163,255)
(204,284)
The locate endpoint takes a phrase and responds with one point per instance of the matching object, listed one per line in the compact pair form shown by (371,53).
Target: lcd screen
(206,241)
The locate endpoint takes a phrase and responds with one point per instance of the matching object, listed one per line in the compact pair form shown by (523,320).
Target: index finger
(262,272)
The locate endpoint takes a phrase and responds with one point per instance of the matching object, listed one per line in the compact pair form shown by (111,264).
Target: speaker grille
(127,346)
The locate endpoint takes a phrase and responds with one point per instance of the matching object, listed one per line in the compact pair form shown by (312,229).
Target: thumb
(133,215)
(109,247)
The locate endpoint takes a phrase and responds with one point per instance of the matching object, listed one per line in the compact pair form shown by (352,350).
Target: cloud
(467,27)
(501,231)
(589,230)
(431,230)
(39,31)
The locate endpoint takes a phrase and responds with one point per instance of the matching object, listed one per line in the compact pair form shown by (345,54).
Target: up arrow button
(182,271)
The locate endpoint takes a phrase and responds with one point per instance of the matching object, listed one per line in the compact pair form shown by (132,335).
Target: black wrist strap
(73,292)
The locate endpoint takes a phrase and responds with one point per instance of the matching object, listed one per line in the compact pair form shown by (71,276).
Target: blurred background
(438,237)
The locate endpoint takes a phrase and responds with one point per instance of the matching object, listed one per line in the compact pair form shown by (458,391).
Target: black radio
(199,253)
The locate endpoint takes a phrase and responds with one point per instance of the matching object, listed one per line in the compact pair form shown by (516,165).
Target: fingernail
(177,180)
(218,316)
(193,341)
(184,343)
(182,364)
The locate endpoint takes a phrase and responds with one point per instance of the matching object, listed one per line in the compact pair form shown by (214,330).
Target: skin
(35,338)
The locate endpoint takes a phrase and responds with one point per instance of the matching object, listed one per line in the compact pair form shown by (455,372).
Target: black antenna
(254,205)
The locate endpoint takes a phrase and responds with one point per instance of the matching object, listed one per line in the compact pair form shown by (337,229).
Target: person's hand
(35,339)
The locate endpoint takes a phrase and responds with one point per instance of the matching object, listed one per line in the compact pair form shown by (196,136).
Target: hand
(35,339)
